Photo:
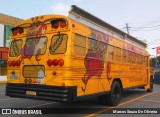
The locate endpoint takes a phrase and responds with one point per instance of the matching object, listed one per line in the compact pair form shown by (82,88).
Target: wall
(1,35)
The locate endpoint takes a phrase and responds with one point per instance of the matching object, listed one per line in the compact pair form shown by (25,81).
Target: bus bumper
(42,92)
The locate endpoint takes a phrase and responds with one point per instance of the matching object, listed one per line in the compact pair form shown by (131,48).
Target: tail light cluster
(13,72)
(14,63)
(58,23)
(55,62)
(17,30)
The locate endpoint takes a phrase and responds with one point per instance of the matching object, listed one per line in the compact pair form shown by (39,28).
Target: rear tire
(151,85)
(113,98)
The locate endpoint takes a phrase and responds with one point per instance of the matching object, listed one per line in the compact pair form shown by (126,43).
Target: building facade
(6,24)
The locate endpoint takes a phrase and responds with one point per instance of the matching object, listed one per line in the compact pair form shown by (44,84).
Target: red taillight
(13,72)
(60,62)
(55,62)
(17,63)
(21,30)
(49,62)
(55,24)
(54,73)
(9,63)
(62,24)
(13,63)
(15,31)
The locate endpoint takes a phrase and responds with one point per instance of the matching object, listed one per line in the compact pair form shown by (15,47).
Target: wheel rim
(116,94)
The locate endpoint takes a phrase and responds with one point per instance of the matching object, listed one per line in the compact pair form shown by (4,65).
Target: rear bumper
(43,92)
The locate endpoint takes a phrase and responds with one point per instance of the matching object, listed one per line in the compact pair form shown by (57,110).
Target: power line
(145,27)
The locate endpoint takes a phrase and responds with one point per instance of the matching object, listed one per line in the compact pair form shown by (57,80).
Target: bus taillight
(60,62)
(59,23)
(62,24)
(21,30)
(17,30)
(54,73)
(17,63)
(49,62)
(9,63)
(13,72)
(55,62)
(13,63)
(55,24)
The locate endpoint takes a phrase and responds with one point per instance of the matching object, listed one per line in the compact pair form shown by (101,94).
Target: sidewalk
(3,79)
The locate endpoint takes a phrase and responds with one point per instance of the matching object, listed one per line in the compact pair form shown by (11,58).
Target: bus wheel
(113,98)
(151,85)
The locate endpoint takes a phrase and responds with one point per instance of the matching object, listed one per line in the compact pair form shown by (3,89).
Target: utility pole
(127,28)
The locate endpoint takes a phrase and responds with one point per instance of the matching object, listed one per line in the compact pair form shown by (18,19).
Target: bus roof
(102,23)
(41,18)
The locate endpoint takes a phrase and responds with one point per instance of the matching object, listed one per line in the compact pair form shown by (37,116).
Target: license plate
(30,92)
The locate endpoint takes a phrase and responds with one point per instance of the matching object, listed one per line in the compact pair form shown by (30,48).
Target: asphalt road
(132,98)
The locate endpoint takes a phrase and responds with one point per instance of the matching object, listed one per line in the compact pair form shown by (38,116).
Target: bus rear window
(58,44)
(35,46)
(15,49)
(34,71)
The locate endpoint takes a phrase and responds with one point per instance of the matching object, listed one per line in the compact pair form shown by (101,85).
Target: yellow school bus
(59,58)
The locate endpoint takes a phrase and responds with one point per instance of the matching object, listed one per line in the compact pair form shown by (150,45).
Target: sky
(142,16)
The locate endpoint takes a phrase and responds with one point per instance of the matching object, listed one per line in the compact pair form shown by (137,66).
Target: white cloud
(60,8)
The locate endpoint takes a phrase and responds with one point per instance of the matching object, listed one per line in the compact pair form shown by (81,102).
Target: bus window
(110,52)
(146,60)
(15,48)
(34,71)
(35,46)
(140,59)
(118,54)
(124,55)
(133,57)
(58,44)
(80,45)
(129,57)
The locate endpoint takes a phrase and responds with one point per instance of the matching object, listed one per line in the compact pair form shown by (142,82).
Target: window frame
(11,47)
(110,53)
(34,38)
(76,45)
(51,43)
(34,66)
(118,55)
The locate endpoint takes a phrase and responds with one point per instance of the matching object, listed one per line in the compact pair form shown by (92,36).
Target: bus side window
(146,60)
(141,59)
(118,54)
(110,52)
(129,56)
(80,45)
(124,55)
(133,57)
